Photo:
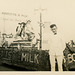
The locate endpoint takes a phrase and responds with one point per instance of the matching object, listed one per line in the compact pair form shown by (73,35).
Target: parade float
(69,56)
(22,52)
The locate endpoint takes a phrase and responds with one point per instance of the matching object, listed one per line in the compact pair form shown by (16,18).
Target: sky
(59,12)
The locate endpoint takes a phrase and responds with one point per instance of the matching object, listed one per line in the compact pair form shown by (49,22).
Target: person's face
(29,22)
(54,29)
(21,25)
(4,36)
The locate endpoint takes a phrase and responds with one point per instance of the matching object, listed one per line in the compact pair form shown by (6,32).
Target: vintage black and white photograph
(37,35)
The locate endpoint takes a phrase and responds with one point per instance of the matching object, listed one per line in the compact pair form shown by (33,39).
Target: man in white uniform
(57,45)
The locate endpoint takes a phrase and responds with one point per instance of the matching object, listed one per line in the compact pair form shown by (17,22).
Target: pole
(40,31)
(40,47)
